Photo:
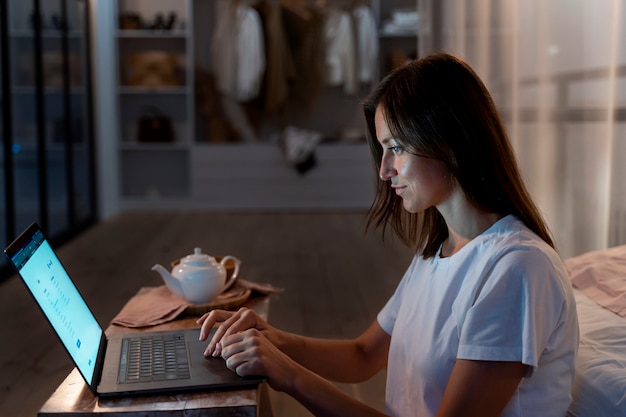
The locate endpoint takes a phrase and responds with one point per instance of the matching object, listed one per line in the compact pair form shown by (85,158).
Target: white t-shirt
(505,296)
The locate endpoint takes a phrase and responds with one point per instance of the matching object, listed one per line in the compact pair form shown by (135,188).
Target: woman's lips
(398,189)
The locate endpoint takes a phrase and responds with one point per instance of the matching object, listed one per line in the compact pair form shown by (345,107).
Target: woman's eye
(396,149)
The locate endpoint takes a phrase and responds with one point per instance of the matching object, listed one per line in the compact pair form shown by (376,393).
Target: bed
(599,280)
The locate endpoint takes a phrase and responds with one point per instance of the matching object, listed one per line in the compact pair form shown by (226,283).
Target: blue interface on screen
(62,304)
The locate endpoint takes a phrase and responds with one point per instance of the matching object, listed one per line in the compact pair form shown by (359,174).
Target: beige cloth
(157,305)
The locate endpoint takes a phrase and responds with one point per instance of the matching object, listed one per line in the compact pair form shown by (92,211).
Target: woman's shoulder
(511,234)
(517,251)
(509,243)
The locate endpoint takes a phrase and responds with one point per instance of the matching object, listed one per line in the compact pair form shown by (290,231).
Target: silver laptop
(116,365)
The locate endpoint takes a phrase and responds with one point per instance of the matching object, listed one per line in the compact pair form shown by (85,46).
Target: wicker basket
(153,69)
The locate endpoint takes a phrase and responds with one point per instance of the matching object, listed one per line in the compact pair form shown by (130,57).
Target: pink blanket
(601,275)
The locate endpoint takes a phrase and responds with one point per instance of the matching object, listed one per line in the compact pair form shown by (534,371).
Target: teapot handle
(235,274)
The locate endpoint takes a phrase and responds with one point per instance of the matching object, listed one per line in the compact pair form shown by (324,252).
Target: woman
(483,322)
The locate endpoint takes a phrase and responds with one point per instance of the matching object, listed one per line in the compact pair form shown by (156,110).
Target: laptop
(169,361)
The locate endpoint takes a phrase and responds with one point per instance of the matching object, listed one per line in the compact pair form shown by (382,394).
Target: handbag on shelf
(154,126)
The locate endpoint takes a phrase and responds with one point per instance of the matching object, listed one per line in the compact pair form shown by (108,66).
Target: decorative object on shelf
(134,21)
(130,21)
(164,23)
(170,21)
(153,69)
(154,126)
(402,22)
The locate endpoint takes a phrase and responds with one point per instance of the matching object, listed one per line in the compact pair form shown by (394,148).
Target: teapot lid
(197,258)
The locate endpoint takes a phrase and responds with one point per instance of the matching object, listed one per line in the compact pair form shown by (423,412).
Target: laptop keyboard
(155,358)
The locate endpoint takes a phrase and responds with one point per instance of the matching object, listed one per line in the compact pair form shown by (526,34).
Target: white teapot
(199,278)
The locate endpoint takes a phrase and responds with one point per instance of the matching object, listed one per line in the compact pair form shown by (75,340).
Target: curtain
(557,72)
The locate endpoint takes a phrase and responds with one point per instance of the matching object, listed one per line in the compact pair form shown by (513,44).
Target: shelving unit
(191,172)
(154,78)
(398,39)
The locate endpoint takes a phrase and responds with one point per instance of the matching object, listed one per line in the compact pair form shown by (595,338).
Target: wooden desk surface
(73,397)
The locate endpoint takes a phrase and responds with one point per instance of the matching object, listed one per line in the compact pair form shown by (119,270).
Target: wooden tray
(228,300)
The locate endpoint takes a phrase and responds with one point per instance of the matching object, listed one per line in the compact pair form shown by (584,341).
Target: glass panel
(79,126)
(24,113)
(50,107)
(63,79)
(3,199)
(60,119)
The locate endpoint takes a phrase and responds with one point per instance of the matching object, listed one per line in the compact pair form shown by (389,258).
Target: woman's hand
(295,364)
(229,323)
(241,340)
(250,353)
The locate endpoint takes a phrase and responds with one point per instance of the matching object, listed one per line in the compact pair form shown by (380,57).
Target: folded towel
(157,305)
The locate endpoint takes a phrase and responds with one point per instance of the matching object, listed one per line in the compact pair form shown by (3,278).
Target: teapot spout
(172,283)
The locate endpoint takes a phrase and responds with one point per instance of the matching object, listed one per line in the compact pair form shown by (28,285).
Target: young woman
(483,322)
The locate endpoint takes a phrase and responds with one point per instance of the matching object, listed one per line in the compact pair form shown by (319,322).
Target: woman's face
(422,182)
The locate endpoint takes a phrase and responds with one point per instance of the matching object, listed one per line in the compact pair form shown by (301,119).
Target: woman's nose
(386,170)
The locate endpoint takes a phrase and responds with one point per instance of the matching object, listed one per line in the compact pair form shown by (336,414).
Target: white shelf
(150,170)
(385,34)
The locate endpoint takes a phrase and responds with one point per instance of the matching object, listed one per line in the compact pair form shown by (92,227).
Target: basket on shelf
(153,69)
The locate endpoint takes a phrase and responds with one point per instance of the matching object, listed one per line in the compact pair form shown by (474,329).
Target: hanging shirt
(340,55)
(366,44)
(238,50)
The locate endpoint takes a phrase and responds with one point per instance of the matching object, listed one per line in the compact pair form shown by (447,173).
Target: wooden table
(73,397)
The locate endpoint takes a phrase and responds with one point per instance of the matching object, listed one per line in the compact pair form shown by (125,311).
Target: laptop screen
(56,294)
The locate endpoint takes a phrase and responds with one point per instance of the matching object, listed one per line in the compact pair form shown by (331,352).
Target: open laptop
(107,363)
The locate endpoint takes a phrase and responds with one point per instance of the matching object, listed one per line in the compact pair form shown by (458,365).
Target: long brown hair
(437,106)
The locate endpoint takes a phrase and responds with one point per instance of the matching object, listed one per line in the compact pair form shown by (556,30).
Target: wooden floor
(335,277)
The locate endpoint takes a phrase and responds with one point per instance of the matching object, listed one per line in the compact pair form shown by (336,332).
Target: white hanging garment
(238,50)
(366,43)
(340,50)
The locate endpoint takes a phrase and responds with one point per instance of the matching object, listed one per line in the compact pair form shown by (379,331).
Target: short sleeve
(515,312)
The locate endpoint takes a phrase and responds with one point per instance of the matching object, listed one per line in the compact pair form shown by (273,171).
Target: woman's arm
(351,361)
(339,360)
(299,366)
(480,388)
(251,353)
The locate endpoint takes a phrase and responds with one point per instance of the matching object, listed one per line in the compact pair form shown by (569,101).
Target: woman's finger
(250,353)
(234,323)
(208,320)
